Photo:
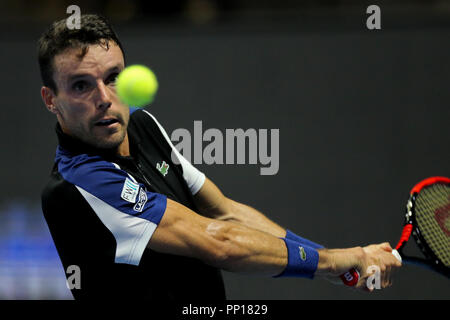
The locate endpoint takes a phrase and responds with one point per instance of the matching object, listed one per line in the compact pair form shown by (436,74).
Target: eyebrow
(74,77)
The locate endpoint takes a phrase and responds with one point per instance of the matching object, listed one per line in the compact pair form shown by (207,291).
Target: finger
(394,261)
(362,285)
(390,264)
(391,273)
(386,246)
(366,287)
(368,282)
(382,275)
(398,257)
(386,277)
(388,258)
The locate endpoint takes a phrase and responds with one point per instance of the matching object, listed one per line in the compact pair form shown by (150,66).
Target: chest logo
(163,168)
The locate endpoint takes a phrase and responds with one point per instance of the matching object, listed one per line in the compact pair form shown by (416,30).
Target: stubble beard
(111,142)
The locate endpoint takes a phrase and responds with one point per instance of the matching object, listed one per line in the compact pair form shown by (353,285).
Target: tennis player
(137,225)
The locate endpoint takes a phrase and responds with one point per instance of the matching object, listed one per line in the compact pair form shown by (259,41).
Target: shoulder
(140,114)
(57,195)
(79,169)
(96,176)
(56,188)
(192,176)
(71,171)
(104,185)
(143,119)
(145,125)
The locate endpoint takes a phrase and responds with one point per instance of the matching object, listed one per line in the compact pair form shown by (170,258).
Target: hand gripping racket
(428,220)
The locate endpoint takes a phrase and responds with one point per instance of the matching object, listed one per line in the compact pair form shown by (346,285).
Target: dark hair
(94,29)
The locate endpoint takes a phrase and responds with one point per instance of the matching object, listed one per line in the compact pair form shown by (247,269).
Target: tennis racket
(428,220)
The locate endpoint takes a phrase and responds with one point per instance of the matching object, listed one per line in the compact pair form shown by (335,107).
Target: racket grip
(351,277)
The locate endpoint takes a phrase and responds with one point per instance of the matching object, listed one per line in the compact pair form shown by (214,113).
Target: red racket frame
(351,277)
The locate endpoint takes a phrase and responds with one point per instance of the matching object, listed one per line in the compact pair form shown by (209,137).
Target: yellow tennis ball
(136,86)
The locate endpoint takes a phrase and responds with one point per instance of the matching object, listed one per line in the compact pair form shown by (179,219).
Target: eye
(80,86)
(112,78)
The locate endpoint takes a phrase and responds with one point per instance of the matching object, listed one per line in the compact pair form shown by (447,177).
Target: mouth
(106,122)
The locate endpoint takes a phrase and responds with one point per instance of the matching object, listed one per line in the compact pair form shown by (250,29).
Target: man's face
(87,106)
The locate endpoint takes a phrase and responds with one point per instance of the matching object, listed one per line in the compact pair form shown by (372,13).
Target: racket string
(432,211)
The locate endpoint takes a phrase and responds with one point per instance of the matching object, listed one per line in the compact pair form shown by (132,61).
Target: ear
(48,97)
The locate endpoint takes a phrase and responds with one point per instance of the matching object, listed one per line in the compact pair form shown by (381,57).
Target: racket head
(428,220)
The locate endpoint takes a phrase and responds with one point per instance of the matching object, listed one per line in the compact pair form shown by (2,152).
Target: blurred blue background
(29,264)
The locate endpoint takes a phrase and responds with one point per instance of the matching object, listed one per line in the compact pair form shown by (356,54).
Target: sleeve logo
(130,191)
(141,202)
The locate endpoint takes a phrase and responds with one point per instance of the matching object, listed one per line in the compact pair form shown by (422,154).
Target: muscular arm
(237,248)
(212,203)
(332,263)
(222,244)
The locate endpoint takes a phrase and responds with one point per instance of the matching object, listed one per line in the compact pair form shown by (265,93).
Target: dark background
(363,115)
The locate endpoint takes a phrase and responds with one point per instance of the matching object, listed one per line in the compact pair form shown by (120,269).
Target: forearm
(211,203)
(252,218)
(250,251)
(238,248)
(259,253)
(225,245)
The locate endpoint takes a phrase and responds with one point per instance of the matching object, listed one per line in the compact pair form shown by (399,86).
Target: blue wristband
(302,260)
(292,236)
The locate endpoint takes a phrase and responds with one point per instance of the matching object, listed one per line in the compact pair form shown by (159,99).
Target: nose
(104,98)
